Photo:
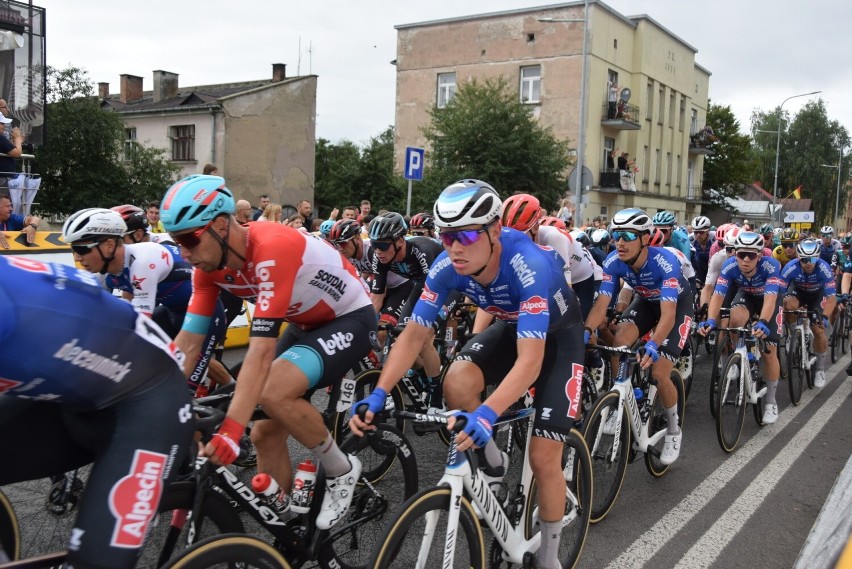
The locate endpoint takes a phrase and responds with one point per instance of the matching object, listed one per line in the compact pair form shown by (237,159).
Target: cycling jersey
(780,255)
(701,259)
(680,240)
(685,265)
(155,274)
(766,279)
(420,253)
(579,262)
(821,278)
(659,279)
(714,267)
(289,275)
(529,290)
(826,252)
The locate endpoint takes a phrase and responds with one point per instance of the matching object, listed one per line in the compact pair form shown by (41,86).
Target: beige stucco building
(542,55)
(260,134)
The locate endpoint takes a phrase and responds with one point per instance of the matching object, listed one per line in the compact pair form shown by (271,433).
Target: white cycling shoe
(671,448)
(770,413)
(338,495)
(819,379)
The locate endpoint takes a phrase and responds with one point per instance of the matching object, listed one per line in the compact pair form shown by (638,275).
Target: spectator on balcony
(4,110)
(612,100)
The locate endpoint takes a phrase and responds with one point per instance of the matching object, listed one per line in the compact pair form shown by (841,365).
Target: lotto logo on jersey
(535,305)
(338,341)
(133,499)
(265,287)
(428,295)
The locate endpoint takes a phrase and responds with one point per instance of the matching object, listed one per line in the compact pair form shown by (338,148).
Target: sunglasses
(193,238)
(420,233)
(699,232)
(382,245)
(465,236)
(750,255)
(729,250)
(789,245)
(83,250)
(628,236)
(807,260)
(664,229)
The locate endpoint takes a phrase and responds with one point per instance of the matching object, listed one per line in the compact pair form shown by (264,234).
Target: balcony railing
(625,117)
(701,142)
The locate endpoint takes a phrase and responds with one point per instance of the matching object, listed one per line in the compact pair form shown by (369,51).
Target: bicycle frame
(746,384)
(803,324)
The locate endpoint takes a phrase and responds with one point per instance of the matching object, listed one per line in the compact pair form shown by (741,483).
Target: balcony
(609,181)
(694,194)
(626,117)
(701,143)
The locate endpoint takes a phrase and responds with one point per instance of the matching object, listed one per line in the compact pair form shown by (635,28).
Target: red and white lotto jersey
(288,274)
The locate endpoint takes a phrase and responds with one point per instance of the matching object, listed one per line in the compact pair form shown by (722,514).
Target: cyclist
(549,221)
(422,225)
(701,249)
(663,302)
(786,251)
(717,262)
(293,278)
(665,221)
(152,276)
(811,284)
(102,384)
(523,212)
(601,245)
(829,245)
(325,228)
(536,339)
(759,280)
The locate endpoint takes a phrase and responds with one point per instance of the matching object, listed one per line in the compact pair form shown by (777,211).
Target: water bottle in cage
(274,495)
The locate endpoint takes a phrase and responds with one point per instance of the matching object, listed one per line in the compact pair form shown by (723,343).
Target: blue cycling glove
(587,336)
(761,326)
(708,324)
(375,402)
(479,424)
(653,350)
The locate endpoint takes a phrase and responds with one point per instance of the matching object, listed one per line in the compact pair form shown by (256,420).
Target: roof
(789,204)
(188,97)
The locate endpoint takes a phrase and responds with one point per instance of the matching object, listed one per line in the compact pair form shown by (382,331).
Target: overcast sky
(759,52)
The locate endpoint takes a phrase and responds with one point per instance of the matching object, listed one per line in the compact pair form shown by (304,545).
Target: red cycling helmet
(521,211)
(134,217)
(658,238)
(554,222)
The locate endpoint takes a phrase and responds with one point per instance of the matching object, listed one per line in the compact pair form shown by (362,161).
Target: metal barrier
(22,186)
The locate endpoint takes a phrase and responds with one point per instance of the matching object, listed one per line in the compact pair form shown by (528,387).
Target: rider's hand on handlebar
(707,326)
(224,446)
(364,410)
(651,355)
(477,429)
(760,329)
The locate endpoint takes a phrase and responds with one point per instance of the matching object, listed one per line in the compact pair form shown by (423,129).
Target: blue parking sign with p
(413,163)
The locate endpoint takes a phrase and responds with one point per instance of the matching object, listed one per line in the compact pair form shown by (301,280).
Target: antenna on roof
(310,58)
(299,59)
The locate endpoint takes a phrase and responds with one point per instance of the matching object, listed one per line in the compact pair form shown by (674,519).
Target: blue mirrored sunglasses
(465,236)
(626,235)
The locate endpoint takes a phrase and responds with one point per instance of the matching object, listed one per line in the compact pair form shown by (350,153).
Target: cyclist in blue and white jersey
(152,276)
(662,302)
(665,221)
(536,340)
(760,285)
(811,284)
(84,378)
(829,245)
(601,245)
(701,249)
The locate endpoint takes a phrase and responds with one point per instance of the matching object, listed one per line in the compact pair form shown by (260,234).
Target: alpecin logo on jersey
(647,292)
(133,499)
(671,283)
(338,341)
(663,263)
(534,305)
(525,274)
(265,287)
(428,295)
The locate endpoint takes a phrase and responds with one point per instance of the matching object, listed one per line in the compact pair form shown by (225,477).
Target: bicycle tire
(809,373)
(351,546)
(365,382)
(784,333)
(408,525)
(230,550)
(844,331)
(796,371)
(687,382)
(580,489)
(834,343)
(10,532)
(658,421)
(608,472)
(731,404)
(721,350)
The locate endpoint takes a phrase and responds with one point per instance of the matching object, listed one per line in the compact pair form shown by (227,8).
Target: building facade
(260,134)
(660,93)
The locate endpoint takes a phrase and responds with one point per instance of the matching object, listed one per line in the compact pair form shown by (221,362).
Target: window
(531,84)
(693,122)
(658,167)
(609,146)
(129,142)
(671,109)
(183,142)
(650,97)
(682,111)
(646,165)
(662,105)
(669,168)
(678,173)
(446,88)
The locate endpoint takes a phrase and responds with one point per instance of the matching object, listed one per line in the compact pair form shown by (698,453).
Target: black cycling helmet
(134,217)
(387,227)
(422,221)
(344,230)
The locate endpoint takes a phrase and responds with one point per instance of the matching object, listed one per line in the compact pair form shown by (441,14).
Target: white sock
(548,552)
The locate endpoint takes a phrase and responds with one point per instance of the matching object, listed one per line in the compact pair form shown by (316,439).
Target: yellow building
(542,53)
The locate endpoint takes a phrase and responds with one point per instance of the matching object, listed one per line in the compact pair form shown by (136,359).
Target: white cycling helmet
(631,218)
(731,234)
(701,223)
(467,202)
(93,223)
(749,241)
(827,230)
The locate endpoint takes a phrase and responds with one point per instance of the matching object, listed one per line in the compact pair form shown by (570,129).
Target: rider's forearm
(402,355)
(597,313)
(668,310)
(768,309)
(714,306)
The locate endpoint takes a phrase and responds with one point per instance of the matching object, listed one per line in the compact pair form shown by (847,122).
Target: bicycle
(800,358)
(741,384)
(619,427)
(723,345)
(439,518)
(840,333)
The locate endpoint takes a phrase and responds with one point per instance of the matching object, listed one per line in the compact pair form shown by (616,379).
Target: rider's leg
(546,460)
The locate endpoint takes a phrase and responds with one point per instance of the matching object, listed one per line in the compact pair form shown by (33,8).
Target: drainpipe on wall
(213,139)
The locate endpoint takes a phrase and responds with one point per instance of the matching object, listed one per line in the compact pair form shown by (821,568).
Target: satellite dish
(625,94)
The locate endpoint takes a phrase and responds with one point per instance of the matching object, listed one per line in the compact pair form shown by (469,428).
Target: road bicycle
(723,345)
(740,384)
(800,358)
(840,332)
(619,427)
(438,527)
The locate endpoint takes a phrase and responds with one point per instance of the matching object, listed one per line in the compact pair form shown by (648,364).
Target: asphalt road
(752,508)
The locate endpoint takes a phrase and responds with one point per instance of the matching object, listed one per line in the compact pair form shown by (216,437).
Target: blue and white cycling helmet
(808,248)
(664,218)
(325,227)
(749,241)
(194,202)
(600,237)
(632,218)
(467,202)
(92,224)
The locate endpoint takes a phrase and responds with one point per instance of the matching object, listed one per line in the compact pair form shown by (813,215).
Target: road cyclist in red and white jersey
(293,278)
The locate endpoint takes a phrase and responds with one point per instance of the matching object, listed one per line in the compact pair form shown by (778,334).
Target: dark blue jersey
(660,278)
(765,280)
(821,278)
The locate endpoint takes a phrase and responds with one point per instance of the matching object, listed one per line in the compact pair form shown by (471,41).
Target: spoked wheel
(730,411)
(844,336)
(796,371)
(759,407)
(658,421)
(609,454)
(723,348)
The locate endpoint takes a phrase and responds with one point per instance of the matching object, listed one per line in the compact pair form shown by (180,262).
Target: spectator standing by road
(153,213)
(258,211)
(13,222)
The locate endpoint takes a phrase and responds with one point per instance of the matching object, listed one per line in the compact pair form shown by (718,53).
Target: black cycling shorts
(646,314)
(754,305)
(810,300)
(395,301)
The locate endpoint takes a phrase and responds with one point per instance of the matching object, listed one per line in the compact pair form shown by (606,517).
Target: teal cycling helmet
(325,227)
(194,202)
(664,218)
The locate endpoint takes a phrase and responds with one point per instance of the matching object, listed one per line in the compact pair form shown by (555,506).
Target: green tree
(336,168)
(728,170)
(484,132)
(82,162)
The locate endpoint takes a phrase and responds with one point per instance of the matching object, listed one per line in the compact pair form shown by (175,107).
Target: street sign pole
(408,201)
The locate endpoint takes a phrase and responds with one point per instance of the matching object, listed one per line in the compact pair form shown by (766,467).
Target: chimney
(279,72)
(103,90)
(131,88)
(165,85)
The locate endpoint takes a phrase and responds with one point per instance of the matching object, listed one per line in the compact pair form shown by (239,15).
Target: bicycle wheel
(169,532)
(657,421)
(834,342)
(730,413)
(406,535)
(349,544)
(365,382)
(722,349)
(783,341)
(844,332)
(10,535)
(608,468)
(578,506)
(796,370)
(230,551)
